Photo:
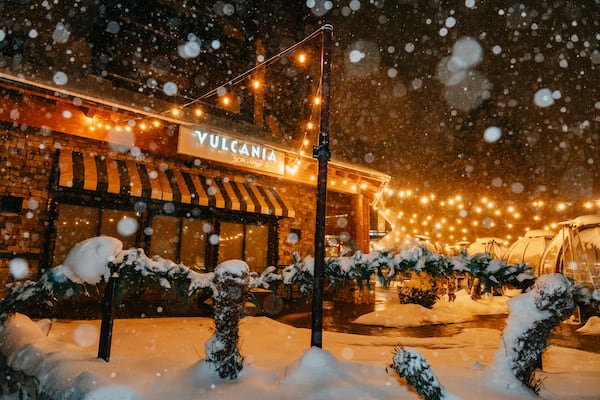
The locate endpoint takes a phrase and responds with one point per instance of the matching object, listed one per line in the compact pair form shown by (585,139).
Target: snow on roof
(583,220)
(539,233)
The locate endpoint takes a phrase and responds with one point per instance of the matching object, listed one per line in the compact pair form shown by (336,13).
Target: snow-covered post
(532,316)
(411,364)
(106,327)
(230,284)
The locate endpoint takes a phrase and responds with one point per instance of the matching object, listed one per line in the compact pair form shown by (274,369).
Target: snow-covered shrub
(85,275)
(420,289)
(300,274)
(230,285)
(410,364)
(532,316)
(588,301)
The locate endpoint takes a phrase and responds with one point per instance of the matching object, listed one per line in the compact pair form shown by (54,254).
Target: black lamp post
(322,153)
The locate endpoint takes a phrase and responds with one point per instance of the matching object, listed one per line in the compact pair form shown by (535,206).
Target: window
(193,243)
(110,226)
(74,224)
(11,204)
(165,237)
(231,241)
(175,238)
(249,242)
(257,239)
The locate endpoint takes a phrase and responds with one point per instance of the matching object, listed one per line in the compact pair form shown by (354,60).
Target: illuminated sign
(204,143)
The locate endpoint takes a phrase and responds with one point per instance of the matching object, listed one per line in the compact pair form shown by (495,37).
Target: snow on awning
(129,178)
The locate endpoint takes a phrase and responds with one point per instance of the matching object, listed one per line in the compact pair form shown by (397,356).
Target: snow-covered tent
(529,249)
(493,245)
(575,251)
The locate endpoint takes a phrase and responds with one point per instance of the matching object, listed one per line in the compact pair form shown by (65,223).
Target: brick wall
(26,168)
(25,165)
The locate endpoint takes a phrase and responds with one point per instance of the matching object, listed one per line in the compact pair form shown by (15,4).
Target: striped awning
(129,178)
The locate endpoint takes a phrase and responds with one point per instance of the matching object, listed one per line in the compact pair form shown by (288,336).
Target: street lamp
(322,153)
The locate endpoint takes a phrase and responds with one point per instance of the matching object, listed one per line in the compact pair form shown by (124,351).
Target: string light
(234,81)
(302,58)
(486,216)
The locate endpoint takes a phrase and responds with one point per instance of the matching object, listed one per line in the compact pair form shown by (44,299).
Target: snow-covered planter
(410,364)
(532,316)
(230,285)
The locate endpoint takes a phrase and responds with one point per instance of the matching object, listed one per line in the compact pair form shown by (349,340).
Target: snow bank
(45,366)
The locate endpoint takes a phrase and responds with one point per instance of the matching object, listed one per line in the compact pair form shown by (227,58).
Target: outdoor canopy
(529,249)
(78,171)
(575,251)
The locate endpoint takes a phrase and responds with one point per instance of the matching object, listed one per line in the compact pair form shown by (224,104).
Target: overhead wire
(263,64)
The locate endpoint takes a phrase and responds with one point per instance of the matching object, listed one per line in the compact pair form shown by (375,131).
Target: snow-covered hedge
(387,265)
(77,277)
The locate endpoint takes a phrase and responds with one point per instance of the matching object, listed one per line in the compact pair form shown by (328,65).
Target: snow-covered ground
(163,358)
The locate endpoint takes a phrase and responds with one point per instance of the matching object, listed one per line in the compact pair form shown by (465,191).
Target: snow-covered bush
(532,316)
(420,289)
(86,270)
(230,284)
(410,364)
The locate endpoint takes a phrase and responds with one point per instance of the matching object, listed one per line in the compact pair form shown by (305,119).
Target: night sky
(417,83)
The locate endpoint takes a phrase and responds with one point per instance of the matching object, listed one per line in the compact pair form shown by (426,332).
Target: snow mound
(315,367)
(88,260)
(113,392)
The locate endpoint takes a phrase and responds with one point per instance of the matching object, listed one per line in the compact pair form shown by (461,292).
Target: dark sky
(417,83)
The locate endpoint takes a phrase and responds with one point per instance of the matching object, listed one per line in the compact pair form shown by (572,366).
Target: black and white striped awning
(129,178)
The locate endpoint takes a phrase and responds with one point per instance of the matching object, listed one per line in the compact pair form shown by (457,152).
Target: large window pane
(74,224)
(193,243)
(257,240)
(231,241)
(110,226)
(165,237)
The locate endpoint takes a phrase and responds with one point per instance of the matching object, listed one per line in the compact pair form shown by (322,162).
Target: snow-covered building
(102,135)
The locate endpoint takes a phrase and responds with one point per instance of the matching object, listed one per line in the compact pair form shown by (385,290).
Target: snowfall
(158,358)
